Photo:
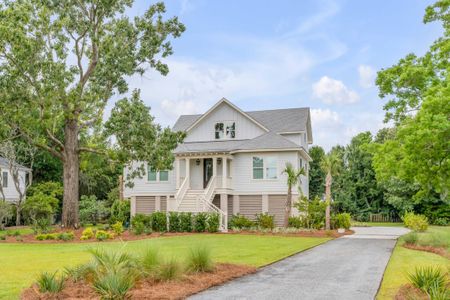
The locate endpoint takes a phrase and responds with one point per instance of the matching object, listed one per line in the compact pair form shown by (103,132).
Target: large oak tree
(60,64)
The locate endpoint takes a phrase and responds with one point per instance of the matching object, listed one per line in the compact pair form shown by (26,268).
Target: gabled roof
(269,140)
(223,100)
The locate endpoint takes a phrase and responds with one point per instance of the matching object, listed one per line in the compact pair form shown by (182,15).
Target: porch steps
(189,202)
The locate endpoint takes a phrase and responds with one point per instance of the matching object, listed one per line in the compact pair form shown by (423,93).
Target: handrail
(223,218)
(179,195)
(210,188)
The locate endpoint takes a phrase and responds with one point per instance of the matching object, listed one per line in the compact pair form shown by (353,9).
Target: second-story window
(5,179)
(155,176)
(225,130)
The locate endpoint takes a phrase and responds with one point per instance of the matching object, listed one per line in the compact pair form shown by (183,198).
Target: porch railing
(209,206)
(179,195)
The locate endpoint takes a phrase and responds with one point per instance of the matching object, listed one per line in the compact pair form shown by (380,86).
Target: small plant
(117,228)
(265,221)
(41,237)
(114,285)
(411,238)
(213,222)
(428,279)
(139,223)
(66,236)
(441,222)
(296,222)
(79,272)
(435,240)
(342,220)
(200,220)
(19,238)
(241,222)
(87,234)
(169,270)
(2,237)
(159,221)
(150,261)
(41,225)
(200,260)
(329,233)
(186,222)
(174,222)
(415,222)
(102,235)
(49,282)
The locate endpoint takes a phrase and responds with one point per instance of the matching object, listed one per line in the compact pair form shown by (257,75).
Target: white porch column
(214,166)
(158,203)
(224,208)
(188,172)
(236,204)
(224,172)
(177,172)
(265,203)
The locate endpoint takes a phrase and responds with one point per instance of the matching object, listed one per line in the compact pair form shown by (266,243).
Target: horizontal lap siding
(277,208)
(145,204)
(163,206)
(250,205)
(230,207)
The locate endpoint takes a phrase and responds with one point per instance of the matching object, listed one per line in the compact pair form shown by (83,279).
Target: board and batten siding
(277,204)
(145,204)
(144,187)
(205,130)
(250,205)
(298,138)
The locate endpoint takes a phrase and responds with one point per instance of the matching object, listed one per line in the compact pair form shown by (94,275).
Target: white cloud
(366,76)
(332,91)
(176,108)
(324,116)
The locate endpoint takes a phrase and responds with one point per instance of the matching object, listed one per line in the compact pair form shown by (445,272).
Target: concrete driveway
(345,268)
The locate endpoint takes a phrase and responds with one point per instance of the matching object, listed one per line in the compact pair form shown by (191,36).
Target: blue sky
(279,54)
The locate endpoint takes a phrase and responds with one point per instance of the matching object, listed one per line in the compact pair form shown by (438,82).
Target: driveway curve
(344,268)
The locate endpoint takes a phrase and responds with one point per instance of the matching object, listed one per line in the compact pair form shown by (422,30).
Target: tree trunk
(288,207)
(328,201)
(18,210)
(71,170)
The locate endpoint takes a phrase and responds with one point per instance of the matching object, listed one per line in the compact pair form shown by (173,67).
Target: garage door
(145,204)
(250,205)
(277,207)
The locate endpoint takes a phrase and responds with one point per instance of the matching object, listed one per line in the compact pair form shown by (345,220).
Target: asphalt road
(345,268)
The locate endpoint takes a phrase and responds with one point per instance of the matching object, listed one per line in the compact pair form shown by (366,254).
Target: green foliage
(150,261)
(316,174)
(429,279)
(174,222)
(241,222)
(66,236)
(49,188)
(120,212)
(411,238)
(265,221)
(92,211)
(441,222)
(342,220)
(313,212)
(117,228)
(435,239)
(200,260)
(79,272)
(41,225)
(159,221)
(40,206)
(186,221)
(114,286)
(141,222)
(5,213)
(213,222)
(102,235)
(169,270)
(296,222)
(415,222)
(88,233)
(50,282)
(200,222)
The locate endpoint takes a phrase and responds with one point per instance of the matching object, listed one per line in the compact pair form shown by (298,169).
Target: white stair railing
(179,195)
(205,200)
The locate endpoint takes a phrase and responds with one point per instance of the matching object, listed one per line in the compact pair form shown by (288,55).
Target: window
(264,168)
(155,176)
(5,179)
(225,130)
(258,168)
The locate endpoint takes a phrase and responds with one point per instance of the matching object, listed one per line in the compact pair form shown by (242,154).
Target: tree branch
(92,150)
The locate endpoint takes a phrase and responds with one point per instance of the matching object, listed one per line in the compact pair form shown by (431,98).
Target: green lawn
(404,261)
(20,263)
(378,224)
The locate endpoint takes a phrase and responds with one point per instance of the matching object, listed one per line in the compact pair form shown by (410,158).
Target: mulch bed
(129,236)
(148,289)
(436,250)
(408,292)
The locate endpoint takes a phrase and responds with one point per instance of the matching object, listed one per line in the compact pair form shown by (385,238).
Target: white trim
(292,132)
(224,100)
(264,167)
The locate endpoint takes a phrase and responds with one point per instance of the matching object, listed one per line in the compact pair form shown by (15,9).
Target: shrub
(88,233)
(411,238)
(428,278)
(314,212)
(139,223)
(41,225)
(92,210)
(2,237)
(343,220)
(120,212)
(5,213)
(19,239)
(102,235)
(49,282)
(199,259)
(415,222)
(213,222)
(169,270)
(66,236)
(159,221)
(185,222)
(79,272)
(435,239)
(40,206)
(16,233)
(114,285)
(150,261)
(265,221)
(200,220)
(441,222)
(241,222)
(117,228)
(174,222)
(296,222)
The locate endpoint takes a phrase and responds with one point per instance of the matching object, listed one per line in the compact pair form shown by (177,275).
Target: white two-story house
(8,190)
(230,162)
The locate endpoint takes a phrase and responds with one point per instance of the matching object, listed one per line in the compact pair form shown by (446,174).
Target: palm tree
(293,177)
(330,165)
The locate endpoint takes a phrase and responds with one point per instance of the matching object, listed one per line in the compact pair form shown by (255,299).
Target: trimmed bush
(200,260)
(441,222)
(411,238)
(159,221)
(120,212)
(140,223)
(102,235)
(415,222)
(174,222)
(49,282)
(117,228)
(186,221)
(200,222)
(88,233)
(213,222)
(241,222)
(66,236)
(265,221)
(342,220)
(296,222)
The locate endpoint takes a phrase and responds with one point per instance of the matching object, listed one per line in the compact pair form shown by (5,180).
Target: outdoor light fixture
(197,162)
(219,161)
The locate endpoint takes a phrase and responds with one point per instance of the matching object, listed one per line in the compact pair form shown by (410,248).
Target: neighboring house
(230,162)
(7,182)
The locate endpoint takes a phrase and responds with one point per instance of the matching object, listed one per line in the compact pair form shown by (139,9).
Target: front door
(207,171)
